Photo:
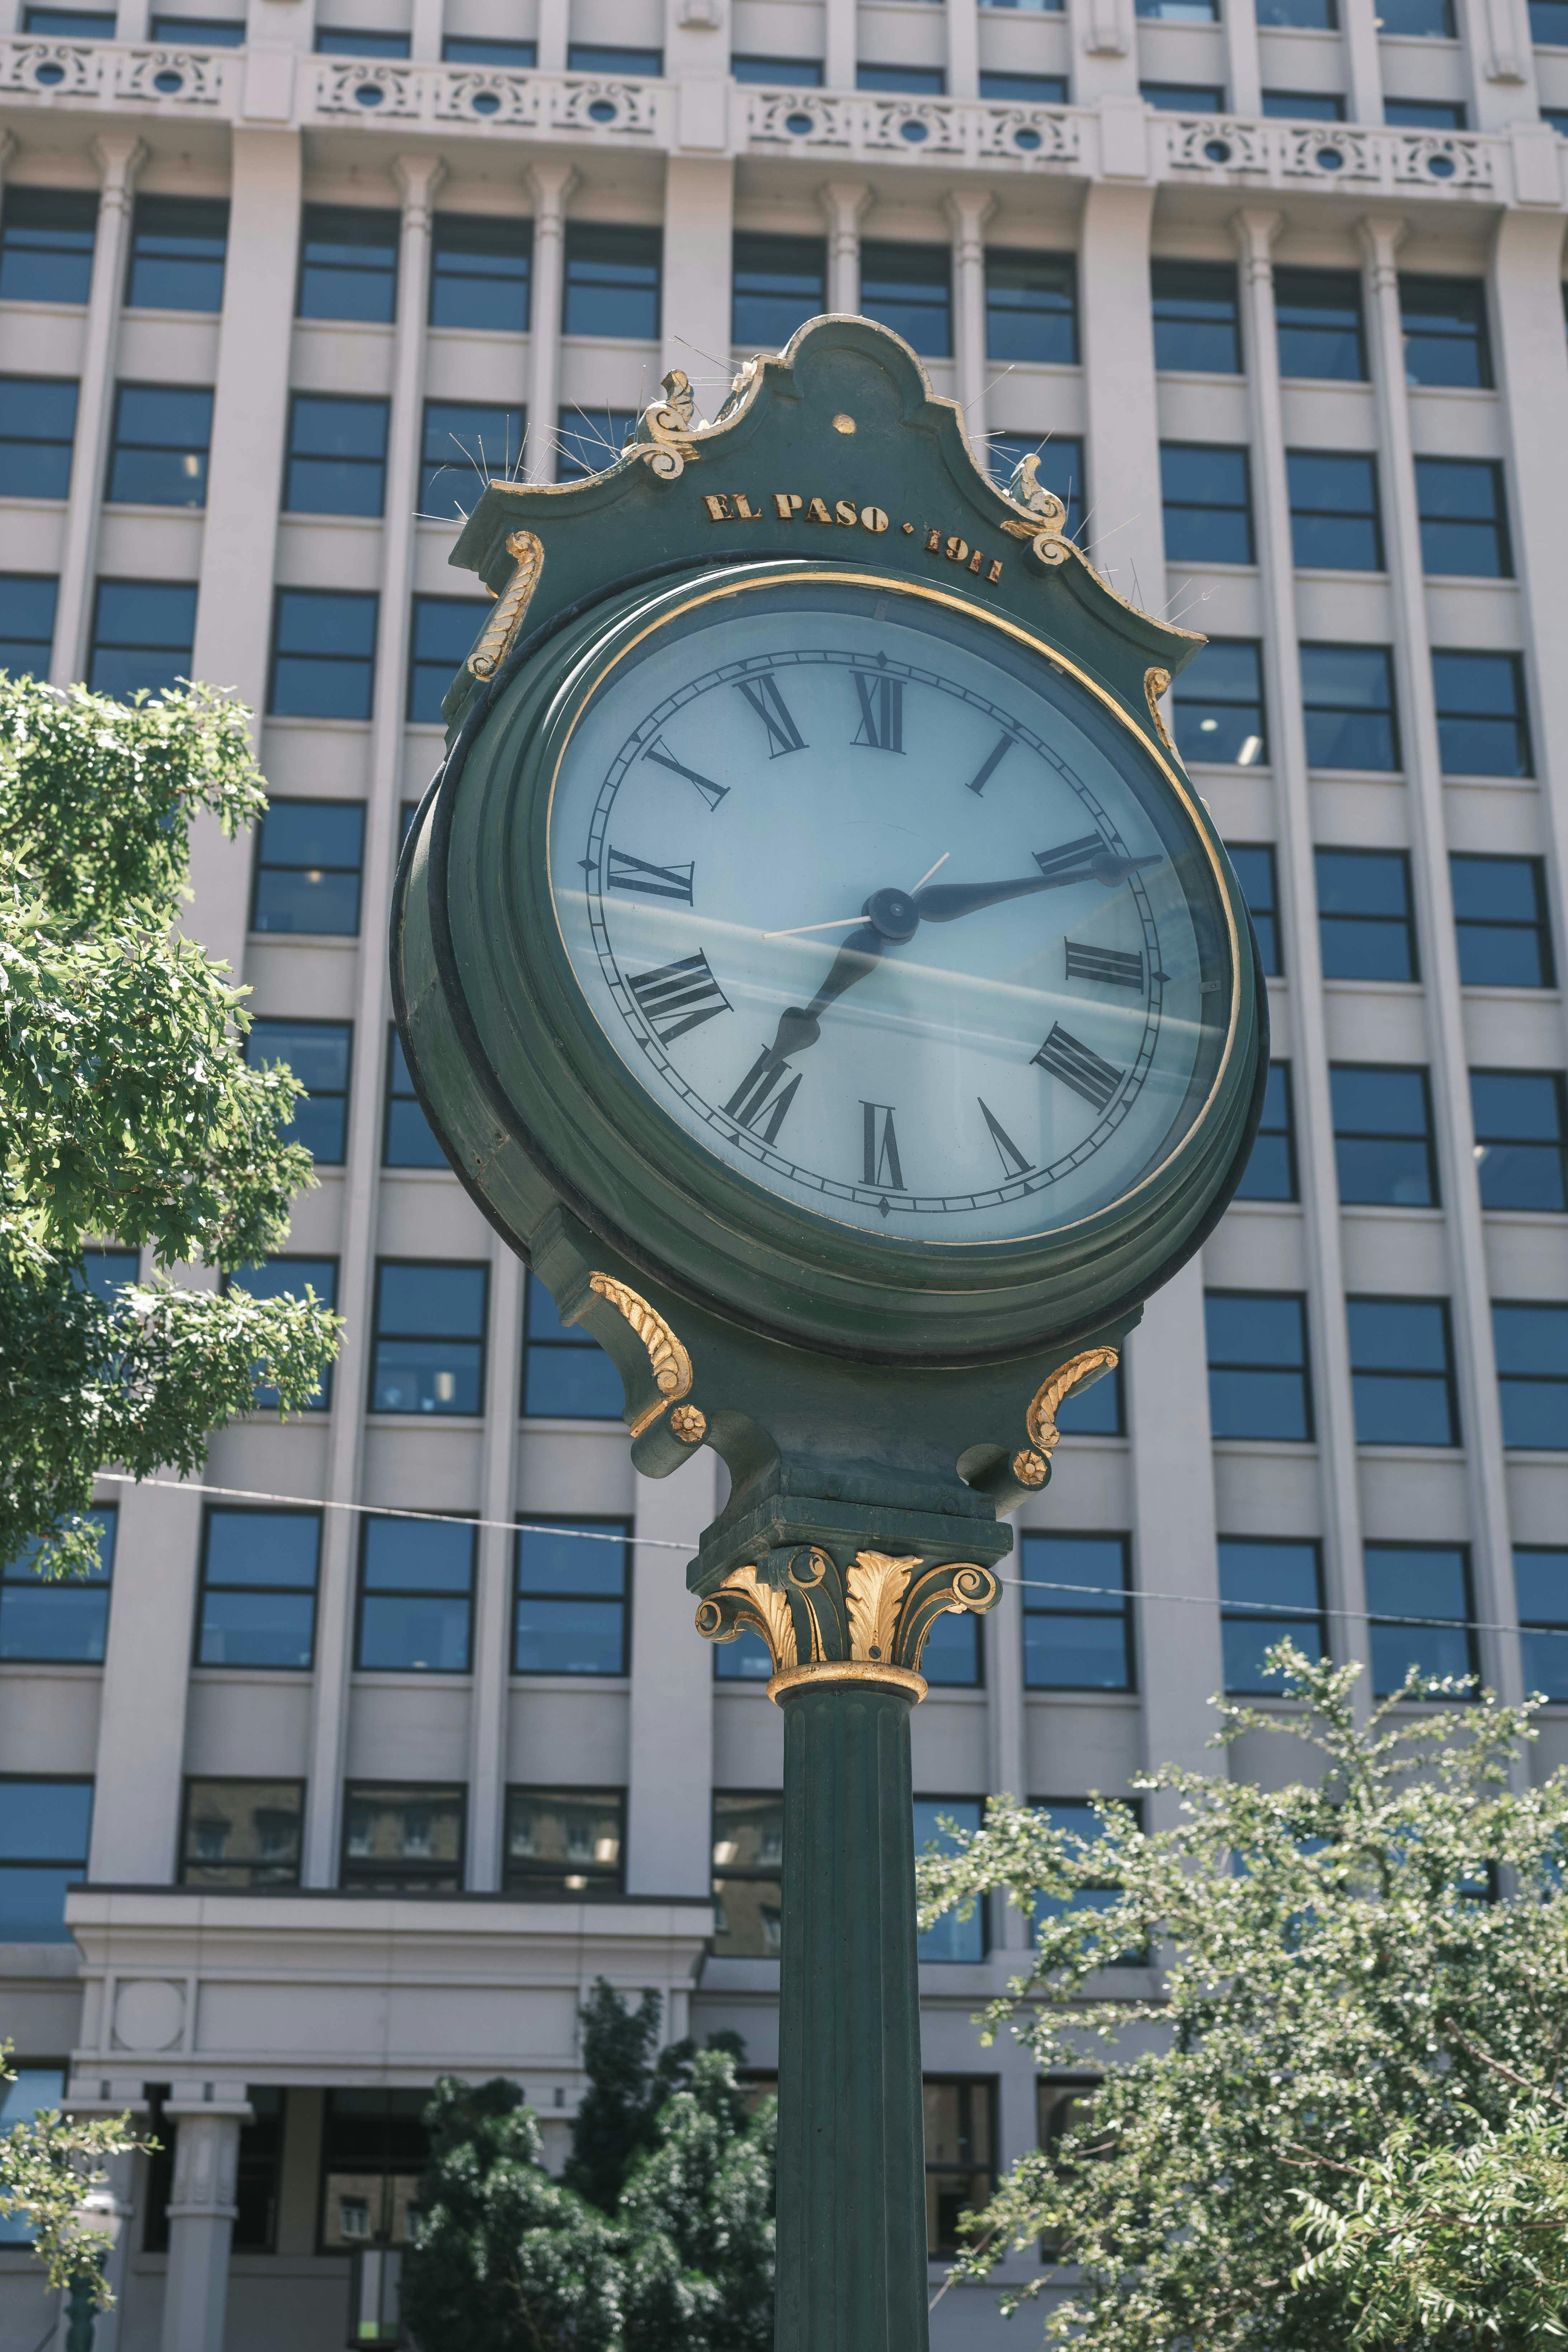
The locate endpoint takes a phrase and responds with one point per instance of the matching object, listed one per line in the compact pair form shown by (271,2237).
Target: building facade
(1276,286)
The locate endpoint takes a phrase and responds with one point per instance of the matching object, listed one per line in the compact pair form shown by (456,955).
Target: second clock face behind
(888,914)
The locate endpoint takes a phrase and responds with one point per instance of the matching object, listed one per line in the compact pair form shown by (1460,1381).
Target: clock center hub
(893,913)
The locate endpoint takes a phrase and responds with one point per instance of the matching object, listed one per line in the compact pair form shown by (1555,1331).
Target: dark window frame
(1166,280)
(53,441)
(1173,507)
(1302,1368)
(1426,1138)
(1406,922)
(98,643)
(1281,1132)
(1448,1377)
(1188,694)
(118,443)
(1376,1548)
(582,238)
(1449,716)
(979,1921)
(1371,514)
(1268,942)
(10,1862)
(362,662)
(1539,928)
(1474,292)
(898,258)
(368,465)
(487,232)
(1556,1082)
(419,662)
(316,222)
(391,1096)
(279,866)
(1552,1630)
(204,1584)
(940,2248)
(1291,289)
(577,1338)
(1348,711)
(265,1400)
(1426,472)
(1082,1604)
(621,1600)
(148,209)
(386,2169)
(16,1575)
(749,1873)
(449,1338)
(325,1095)
(607,1880)
(184,1861)
(1505,1380)
(364,1591)
(476,469)
(1234,1613)
(25,212)
(1001,259)
(349,1883)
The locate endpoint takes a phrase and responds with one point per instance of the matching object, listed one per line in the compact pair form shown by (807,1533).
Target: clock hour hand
(800,1026)
(944,902)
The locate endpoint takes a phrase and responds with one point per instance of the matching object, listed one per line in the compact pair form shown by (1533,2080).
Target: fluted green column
(851,2167)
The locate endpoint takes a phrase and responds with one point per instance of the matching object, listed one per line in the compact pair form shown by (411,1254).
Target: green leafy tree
(1338,2119)
(627,2086)
(46,2167)
(697,2217)
(127,1112)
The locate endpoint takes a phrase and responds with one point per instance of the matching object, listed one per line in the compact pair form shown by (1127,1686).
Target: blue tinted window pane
(1541,1583)
(804,73)
(1418,19)
(1196,324)
(178,249)
(33,1902)
(263,1548)
(30,2089)
(202,32)
(744,1660)
(337,456)
(572,1384)
(1270,1171)
(467,444)
(1302,105)
(1031,308)
(432,1299)
(348,264)
(1320,323)
(951,1939)
(1182,97)
(779,283)
(427,1376)
(292,1277)
(1347,693)
(1255,871)
(45,244)
(349,41)
(1334,522)
(444,629)
(1393,1409)
(1075,1639)
(479,273)
(1398,1333)
(45,1820)
(909,288)
(1025,89)
(317,1052)
(1446,338)
(106,1272)
(952,1652)
(26,623)
(256,1629)
(418,1556)
(68,1621)
(1206,503)
(570,1637)
(142,636)
(410,1140)
(567,1560)
(1248,1327)
(37,421)
(1544,1658)
(427,1634)
(607,57)
(1259,1404)
(1482,729)
(324,659)
(612,281)
(473,49)
(312,833)
(1062,1652)
(1408,1580)
(590,440)
(916,81)
(1464,517)
(1217,703)
(1060,468)
(1096,1411)
(162,436)
(1246,1642)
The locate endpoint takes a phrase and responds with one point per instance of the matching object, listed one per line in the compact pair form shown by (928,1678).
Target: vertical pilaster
(1499,62)
(1002,1633)
(963,49)
(418,178)
(1480,1408)
(497,1491)
(1123,453)
(550,185)
(1104,50)
(699,216)
(141,1700)
(130,20)
(840,43)
(201,2221)
(119,155)
(555,18)
(670,1797)
(968,210)
(843,202)
(1245,95)
(1364,61)
(1305,1037)
(425,31)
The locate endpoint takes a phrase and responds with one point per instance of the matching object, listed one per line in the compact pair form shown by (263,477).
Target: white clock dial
(887,915)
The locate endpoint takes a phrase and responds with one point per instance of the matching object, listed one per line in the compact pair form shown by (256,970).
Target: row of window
(1335,518)
(1386,1150)
(481,268)
(1366,916)
(1349,710)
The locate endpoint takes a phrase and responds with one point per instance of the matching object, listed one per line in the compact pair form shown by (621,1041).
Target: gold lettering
(957,549)
(718,507)
(975,561)
(789,504)
(996,571)
(933,541)
(817,512)
(845,511)
(873,519)
(745,510)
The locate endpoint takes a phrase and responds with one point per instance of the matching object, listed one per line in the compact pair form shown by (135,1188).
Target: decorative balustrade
(924,129)
(1283,154)
(69,72)
(482,97)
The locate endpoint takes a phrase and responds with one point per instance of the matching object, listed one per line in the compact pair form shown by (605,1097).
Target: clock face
(887,913)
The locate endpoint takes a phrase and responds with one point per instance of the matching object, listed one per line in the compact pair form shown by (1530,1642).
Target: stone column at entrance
(201,2220)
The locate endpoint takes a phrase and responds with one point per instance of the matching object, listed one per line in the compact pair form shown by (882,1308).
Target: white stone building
(348,1801)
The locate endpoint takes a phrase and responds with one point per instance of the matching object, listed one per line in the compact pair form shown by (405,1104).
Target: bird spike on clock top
(814,958)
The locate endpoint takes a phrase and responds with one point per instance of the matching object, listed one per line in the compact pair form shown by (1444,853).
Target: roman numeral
(1108,964)
(881,1160)
(628,873)
(771,708)
(661,754)
(1013,1160)
(881,727)
(1070,856)
(676,997)
(762,1094)
(1066,1058)
(990,762)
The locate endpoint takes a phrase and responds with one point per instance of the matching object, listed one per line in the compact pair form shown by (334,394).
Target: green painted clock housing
(832,462)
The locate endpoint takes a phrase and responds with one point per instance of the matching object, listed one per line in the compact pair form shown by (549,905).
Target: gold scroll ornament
(500,630)
(887,1610)
(670,1364)
(1040,1420)
(663,430)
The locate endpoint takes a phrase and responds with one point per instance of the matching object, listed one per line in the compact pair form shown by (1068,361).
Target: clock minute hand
(800,1026)
(944,902)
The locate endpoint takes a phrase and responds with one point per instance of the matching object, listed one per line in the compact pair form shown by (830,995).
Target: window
(600,58)
(799,73)
(348,264)
(908,287)
(258,1587)
(403,1838)
(467,444)
(1446,338)
(1260,1381)
(1097,1411)
(573,1585)
(58,1622)
(777,283)
(566,1374)
(1181,12)
(337,456)
(43,1831)
(1197,324)
(1025,89)
(1423,114)
(1556,116)
(951,1939)
(72,24)
(1269,1592)
(481,270)
(142,630)
(565,1844)
(1217,705)
(1384,1148)
(1207,503)
(914,81)
(1483,726)
(29,2089)
(1499,916)
(26,623)
(1077,1819)
(1430,20)
(178,245)
(744,1660)
(1549,24)
(1464,517)
(308,858)
(590,439)
(1334,522)
(481,50)
(1531,1344)
(1253,863)
(1402,1371)
(1319,317)
(105,1272)
(612,285)
(429,1350)
(416,1596)
(1367,926)
(1031,307)
(1270,1171)
(202,32)
(1521,1138)
(374,2145)
(242,1833)
(258,2172)
(317,1053)
(444,629)
(1060,468)
(1302,105)
(1077,1637)
(290,1277)
(408,1139)
(1182,97)
(323,654)
(37,430)
(960,2155)
(951,1659)
(1426,1581)
(1541,1586)
(1347,698)
(45,244)
(748,1869)
(158,456)
(350,41)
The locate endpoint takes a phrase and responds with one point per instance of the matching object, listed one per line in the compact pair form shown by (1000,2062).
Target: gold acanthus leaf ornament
(876,1583)
(670,1363)
(1041,1417)
(500,630)
(769,1610)
(1157,682)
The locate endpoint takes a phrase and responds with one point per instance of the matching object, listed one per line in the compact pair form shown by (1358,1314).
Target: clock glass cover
(889,912)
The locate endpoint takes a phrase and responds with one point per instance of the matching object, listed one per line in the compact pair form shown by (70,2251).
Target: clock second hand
(848,923)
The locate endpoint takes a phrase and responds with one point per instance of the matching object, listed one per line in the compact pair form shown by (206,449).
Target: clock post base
(852,2273)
